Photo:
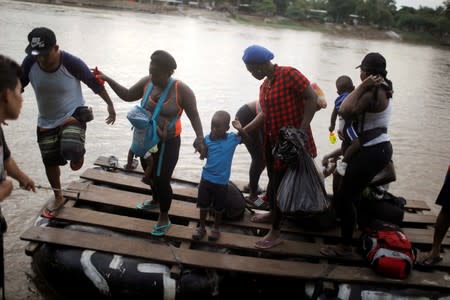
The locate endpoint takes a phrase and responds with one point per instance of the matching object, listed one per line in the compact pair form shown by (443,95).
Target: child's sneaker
(341,167)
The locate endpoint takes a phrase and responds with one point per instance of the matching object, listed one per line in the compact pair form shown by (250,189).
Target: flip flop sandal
(147,205)
(113,163)
(133,165)
(267,244)
(430,261)
(50,213)
(160,230)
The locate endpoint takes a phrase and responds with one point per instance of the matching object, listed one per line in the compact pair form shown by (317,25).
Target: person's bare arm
(133,93)
(110,106)
(255,124)
(333,120)
(332,155)
(15,172)
(310,98)
(358,101)
(189,104)
(242,133)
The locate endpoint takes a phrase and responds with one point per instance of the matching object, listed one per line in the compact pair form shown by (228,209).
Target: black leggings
(161,189)
(361,169)
(275,177)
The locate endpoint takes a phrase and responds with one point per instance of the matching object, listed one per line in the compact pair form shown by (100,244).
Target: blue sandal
(147,205)
(160,230)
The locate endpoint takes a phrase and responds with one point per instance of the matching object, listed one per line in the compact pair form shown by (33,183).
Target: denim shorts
(63,143)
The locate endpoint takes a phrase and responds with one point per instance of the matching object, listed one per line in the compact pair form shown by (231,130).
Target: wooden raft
(114,196)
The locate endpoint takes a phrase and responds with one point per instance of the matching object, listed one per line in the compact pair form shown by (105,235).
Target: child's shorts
(63,143)
(444,196)
(212,194)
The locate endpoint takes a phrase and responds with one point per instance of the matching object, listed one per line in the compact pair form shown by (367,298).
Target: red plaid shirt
(282,103)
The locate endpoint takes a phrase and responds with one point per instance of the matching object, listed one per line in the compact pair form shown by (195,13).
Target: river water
(208,53)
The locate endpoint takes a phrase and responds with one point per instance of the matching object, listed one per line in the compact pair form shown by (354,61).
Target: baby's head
(220,123)
(344,84)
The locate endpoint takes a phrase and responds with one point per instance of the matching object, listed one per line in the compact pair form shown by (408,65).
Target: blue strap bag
(145,134)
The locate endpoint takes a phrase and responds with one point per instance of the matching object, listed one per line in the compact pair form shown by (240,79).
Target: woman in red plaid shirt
(286,99)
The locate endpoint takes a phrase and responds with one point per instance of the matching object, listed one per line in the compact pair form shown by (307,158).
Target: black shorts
(212,194)
(443,198)
(63,143)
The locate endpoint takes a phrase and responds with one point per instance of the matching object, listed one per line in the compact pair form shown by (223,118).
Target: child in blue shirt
(213,187)
(344,86)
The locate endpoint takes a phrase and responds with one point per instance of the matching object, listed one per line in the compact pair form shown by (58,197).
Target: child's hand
(200,147)
(236,124)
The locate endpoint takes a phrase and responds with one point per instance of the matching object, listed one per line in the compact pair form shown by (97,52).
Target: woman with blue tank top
(179,97)
(370,106)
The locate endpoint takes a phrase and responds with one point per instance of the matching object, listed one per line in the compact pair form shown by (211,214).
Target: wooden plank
(175,271)
(184,233)
(161,253)
(102,161)
(125,181)
(131,182)
(182,209)
(33,246)
(228,262)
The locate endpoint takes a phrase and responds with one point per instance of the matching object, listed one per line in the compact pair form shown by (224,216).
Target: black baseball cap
(41,40)
(373,62)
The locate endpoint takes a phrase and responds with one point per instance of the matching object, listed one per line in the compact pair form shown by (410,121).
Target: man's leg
(53,176)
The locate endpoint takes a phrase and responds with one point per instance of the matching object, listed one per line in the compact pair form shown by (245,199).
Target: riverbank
(172,7)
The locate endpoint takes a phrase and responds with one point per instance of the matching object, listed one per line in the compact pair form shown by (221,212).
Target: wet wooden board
(172,255)
(182,209)
(229,240)
(103,161)
(131,182)
(240,241)
(228,262)
(32,247)
(125,181)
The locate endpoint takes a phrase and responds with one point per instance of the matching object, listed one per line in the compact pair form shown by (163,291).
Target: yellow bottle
(332,137)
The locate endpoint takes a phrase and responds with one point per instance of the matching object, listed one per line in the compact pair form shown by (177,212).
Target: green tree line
(383,14)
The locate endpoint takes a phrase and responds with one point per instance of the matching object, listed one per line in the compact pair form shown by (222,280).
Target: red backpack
(389,251)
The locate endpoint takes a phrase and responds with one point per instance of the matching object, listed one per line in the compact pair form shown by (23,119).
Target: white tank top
(379,119)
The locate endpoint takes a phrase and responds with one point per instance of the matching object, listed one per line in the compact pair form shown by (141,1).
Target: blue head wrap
(257,55)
